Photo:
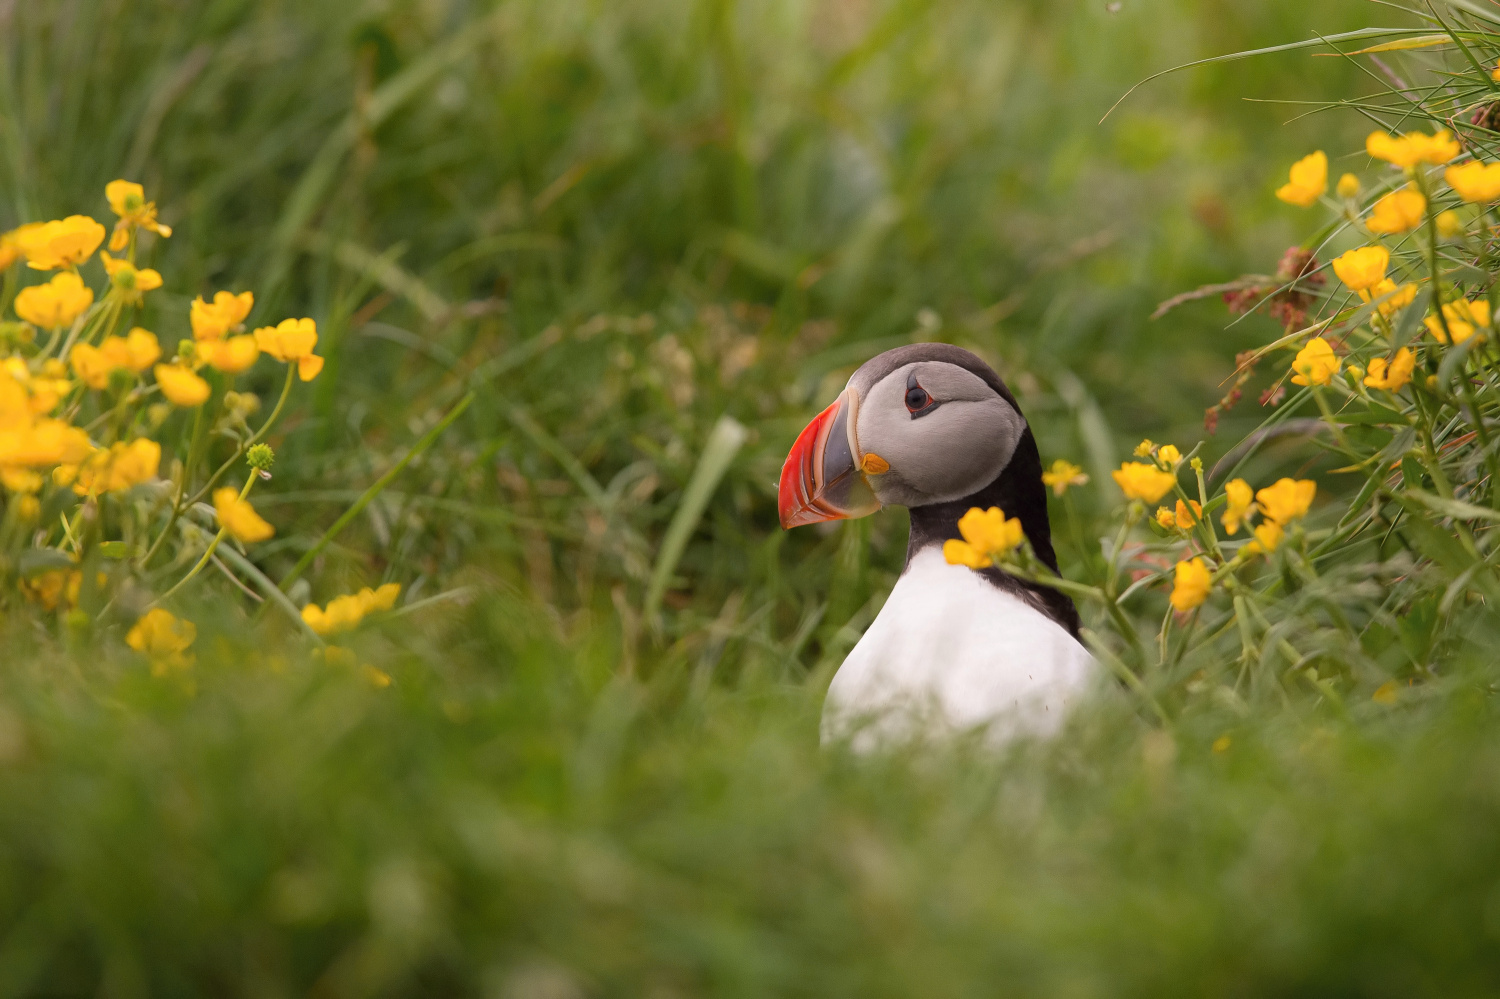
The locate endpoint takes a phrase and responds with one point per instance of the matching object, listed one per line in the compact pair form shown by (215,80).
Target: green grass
(514,812)
(618,224)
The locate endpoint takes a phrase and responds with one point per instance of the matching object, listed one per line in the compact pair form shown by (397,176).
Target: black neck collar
(1018,490)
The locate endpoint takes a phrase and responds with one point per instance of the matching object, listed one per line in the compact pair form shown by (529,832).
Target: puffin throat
(1017,490)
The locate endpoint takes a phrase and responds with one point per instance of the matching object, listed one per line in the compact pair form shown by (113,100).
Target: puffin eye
(918,402)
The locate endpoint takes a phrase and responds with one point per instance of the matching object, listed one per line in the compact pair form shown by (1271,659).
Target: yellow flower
(118,468)
(345,612)
(10,245)
(128,201)
(46,393)
(181,386)
(1362,268)
(1287,500)
(1449,225)
(1169,455)
(56,303)
(1402,297)
(1238,500)
(1063,475)
(1309,180)
(61,243)
(1143,482)
(1463,320)
(1394,375)
(135,352)
(1183,518)
(20,480)
(1477,183)
(131,282)
(1316,364)
(1144,448)
(1413,147)
(163,639)
(1386,692)
(1397,212)
(1191,585)
(1268,537)
(230,355)
(239,518)
(42,444)
(54,588)
(1348,186)
(90,365)
(962,553)
(224,315)
(293,340)
(987,535)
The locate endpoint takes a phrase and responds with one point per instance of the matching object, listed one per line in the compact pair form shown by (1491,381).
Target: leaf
(113,549)
(1475,9)
(1411,318)
(1377,415)
(35,561)
(1439,546)
(1452,507)
(1399,45)
(1454,358)
(1396,450)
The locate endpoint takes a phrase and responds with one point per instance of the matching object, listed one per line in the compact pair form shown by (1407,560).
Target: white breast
(950,651)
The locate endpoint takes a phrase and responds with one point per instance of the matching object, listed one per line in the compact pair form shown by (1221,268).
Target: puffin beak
(821,479)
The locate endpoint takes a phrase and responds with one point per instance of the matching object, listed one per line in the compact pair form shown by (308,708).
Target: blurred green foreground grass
(619,224)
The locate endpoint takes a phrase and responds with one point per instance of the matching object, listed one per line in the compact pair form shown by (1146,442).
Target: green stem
(1126,674)
(255,438)
(177,504)
(208,552)
(1480,429)
(1434,465)
(369,494)
(1114,556)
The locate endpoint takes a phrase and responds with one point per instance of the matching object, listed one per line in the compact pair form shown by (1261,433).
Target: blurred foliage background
(620,223)
(623,222)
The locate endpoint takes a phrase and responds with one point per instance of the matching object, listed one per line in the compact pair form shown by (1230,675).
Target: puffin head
(930,427)
(918,426)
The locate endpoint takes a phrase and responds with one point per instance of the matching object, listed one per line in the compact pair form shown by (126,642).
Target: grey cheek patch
(956,449)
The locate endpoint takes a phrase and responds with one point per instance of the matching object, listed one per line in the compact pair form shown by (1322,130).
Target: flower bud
(14,335)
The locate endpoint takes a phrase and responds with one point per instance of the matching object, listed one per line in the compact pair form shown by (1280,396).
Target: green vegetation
(651,240)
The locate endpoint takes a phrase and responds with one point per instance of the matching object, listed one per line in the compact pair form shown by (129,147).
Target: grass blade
(724,442)
(1234,56)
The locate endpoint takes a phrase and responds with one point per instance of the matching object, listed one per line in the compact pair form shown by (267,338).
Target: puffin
(933,428)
